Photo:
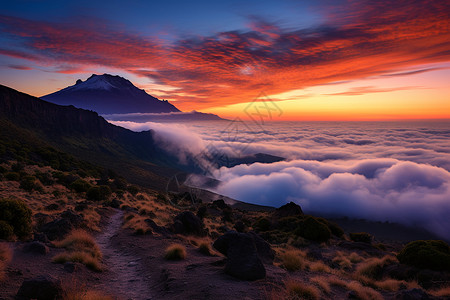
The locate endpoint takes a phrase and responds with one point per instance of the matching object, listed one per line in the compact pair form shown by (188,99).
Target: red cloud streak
(372,38)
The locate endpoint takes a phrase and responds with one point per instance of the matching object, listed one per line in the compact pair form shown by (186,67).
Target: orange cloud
(368,38)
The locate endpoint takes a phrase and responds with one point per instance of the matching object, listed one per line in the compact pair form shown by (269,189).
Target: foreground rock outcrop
(245,254)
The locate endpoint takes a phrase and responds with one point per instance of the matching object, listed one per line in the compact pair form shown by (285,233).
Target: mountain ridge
(108,94)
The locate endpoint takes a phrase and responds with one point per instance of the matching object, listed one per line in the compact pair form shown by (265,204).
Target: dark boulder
(245,254)
(115,203)
(288,210)
(41,237)
(40,288)
(36,247)
(57,229)
(242,257)
(187,223)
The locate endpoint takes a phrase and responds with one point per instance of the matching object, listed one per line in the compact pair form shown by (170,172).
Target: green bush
(98,193)
(80,186)
(363,237)
(334,228)
(6,231)
(12,176)
(432,254)
(17,214)
(312,229)
(262,224)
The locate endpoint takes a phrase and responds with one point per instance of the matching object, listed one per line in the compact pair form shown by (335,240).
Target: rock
(201,212)
(412,294)
(265,252)
(115,203)
(243,260)
(40,288)
(76,219)
(352,295)
(288,210)
(240,226)
(156,228)
(41,237)
(220,204)
(188,223)
(36,247)
(42,219)
(223,229)
(52,206)
(70,267)
(57,229)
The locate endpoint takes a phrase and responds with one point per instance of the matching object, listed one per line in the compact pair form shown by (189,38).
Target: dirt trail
(124,271)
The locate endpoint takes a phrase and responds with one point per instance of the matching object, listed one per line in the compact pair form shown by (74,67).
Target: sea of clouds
(383,171)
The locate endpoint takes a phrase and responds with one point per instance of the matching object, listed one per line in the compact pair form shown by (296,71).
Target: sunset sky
(318,60)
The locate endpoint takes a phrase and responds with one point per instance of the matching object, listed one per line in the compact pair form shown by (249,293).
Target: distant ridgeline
(30,123)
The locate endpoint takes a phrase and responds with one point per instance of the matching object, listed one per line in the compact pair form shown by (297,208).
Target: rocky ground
(225,252)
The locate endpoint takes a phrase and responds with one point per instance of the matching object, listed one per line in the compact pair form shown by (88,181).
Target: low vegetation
(362,237)
(434,255)
(299,290)
(293,260)
(175,252)
(80,247)
(17,215)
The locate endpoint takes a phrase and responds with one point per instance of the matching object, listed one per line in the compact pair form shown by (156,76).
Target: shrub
(334,228)
(12,176)
(133,190)
(6,231)
(299,290)
(293,260)
(314,230)
(363,237)
(204,248)
(29,183)
(262,224)
(80,186)
(175,252)
(98,193)
(17,214)
(432,254)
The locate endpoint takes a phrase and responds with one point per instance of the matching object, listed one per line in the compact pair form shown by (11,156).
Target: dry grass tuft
(355,258)
(337,281)
(5,258)
(443,292)
(319,266)
(342,260)
(300,290)
(373,267)
(81,247)
(322,283)
(394,285)
(205,248)
(175,252)
(363,292)
(293,260)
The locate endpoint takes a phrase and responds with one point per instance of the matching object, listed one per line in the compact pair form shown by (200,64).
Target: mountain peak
(109,94)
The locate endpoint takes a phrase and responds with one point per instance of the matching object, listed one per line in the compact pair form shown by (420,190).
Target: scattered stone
(71,267)
(188,223)
(156,228)
(57,229)
(288,210)
(52,206)
(36,247)
(40,288)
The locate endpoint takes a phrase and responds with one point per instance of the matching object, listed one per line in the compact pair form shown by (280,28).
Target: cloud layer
(384,171)
(366,38)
